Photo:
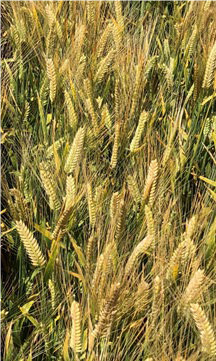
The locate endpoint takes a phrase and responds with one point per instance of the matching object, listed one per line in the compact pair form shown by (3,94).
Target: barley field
(108,176)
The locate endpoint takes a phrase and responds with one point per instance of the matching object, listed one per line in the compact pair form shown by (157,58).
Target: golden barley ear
(119,16)
(103,40)
(71,111)
(52,78)
(89,252)
(105,273)
(105,117)
(150,224)
(93,115)
(49,185)
(52,293)
(55,146)
(91,205)
(134,189)
(97,272)
(115,146)
(192,42)
(158,298)
(150,184)
(193,289)
(75,152)
(3,314)
(70,191)
(210,68)
(20,204)
(139,250)
(186,249)
(206,332)
(75,339)
(139,130)
(30,244)
(62,221)
(104,66)
(106,314)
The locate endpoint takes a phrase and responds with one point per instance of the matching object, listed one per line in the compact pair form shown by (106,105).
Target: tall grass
(108,180)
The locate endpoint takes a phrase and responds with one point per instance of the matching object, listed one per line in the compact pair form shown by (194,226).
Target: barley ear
(139,250)
(70,191)
(205,329)
(150,183)
(30,244)
(52,78)
(75,152)
(115,146)
(210,67)
(91,205)
(71,111)
(139,130)
(150,224)
(75,340)
(49,186)
(106,314)
(193,289)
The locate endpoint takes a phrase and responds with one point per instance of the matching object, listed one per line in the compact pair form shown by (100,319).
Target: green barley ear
(30,245)
(52,78)
(75,339)
(115,145)
(71,111)
(151,180)
(75,152)
(139,130)
(210,67)
(206,332)
(49,186)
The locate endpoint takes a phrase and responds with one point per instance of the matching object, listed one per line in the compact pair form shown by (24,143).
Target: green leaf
(50,265)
